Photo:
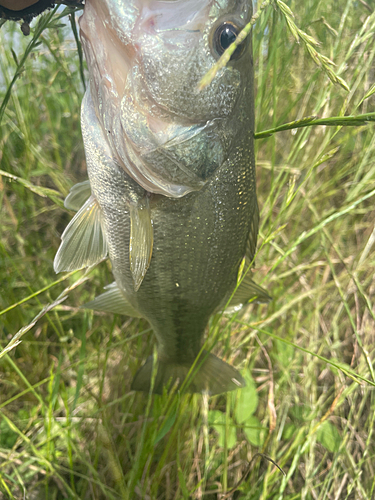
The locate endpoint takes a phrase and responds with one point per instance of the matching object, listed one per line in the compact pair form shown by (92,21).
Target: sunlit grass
(69,425)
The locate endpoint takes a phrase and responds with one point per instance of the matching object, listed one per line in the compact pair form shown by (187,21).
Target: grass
(70,427)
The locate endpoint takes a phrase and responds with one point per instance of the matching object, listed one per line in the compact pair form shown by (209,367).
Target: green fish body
(171,193)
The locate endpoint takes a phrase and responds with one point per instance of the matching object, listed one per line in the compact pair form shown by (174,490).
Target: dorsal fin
(83,242)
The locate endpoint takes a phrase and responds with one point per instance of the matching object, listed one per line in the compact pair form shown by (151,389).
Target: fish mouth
(171,16)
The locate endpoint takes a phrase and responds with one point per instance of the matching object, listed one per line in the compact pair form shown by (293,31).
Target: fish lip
(191,13)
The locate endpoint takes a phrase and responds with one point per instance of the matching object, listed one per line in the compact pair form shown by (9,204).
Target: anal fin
(83,242)
(141,240)
(112,301)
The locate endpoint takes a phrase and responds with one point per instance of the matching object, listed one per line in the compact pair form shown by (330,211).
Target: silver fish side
(172,175)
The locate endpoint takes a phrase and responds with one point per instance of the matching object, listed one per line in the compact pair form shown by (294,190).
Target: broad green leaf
(218,421)
(252,429)
(8,437)
(216,417)
(247,401)
(231,436)
(301,412)
(328,436)
(289,431)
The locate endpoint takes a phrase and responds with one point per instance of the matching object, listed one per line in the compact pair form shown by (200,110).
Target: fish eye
(225,34)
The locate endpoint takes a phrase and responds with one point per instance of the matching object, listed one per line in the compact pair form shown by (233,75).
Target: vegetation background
(70,428)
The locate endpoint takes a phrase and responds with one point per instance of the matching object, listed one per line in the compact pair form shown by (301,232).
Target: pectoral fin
(248,291)
(77,196)
(141,241)
(83,242)
(112,301)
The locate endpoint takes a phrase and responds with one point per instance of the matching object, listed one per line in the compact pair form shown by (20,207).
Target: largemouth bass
(171,192)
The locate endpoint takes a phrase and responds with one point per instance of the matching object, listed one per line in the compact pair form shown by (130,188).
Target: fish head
(146,59)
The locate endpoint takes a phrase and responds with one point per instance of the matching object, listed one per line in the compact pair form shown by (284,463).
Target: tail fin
(211,375)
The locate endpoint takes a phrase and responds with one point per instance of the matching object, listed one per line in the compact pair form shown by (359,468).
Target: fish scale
(172,177)
(204,273)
